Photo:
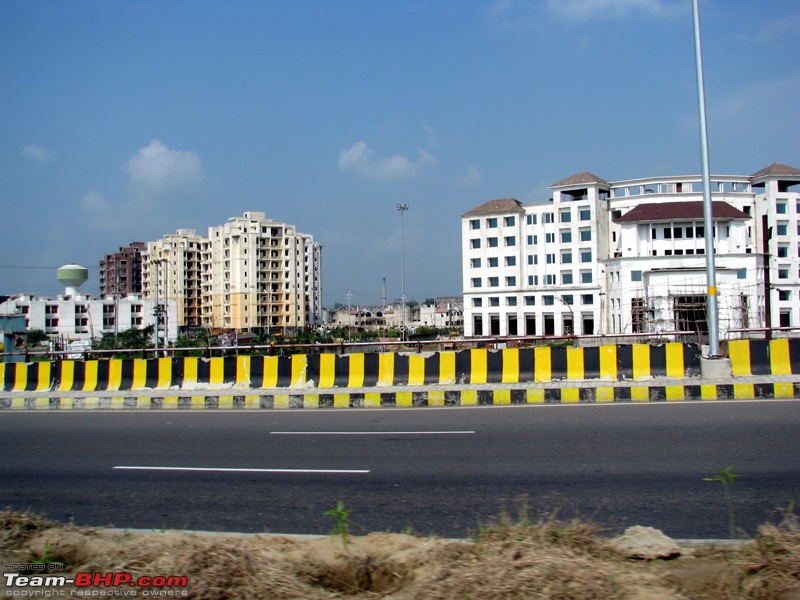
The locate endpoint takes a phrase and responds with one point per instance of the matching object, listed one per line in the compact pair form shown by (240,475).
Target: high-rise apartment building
(628,256)
(251,273)
(121,272)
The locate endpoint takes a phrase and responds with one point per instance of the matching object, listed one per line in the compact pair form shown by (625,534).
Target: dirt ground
(546,559)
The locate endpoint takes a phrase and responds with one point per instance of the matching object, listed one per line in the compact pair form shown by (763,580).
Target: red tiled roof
(674,211)
(496,207)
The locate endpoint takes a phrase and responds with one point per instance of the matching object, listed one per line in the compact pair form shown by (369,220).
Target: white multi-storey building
(252,273)
(628,256)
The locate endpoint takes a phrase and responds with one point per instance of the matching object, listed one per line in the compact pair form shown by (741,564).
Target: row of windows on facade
(54,309)
(546,299)
(564,216)
(53,322)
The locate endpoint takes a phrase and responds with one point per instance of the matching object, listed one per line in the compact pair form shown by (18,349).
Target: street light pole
(402,208)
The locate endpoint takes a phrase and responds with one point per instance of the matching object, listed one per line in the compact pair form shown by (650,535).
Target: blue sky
(128,120)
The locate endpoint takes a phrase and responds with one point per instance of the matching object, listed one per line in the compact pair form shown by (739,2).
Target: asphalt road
(441,471)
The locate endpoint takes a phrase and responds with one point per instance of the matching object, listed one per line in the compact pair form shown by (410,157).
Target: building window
(511,281)
(741,273)
(586,235)
(566,277)
(494,301)
(474,244)
(491,223)
(493,261)
(780,208)
(783,295)
(475,224)
(586,256)
(477,302)
(530,300)
(565,216)
(566,236)
(476,282)
(548,217)
(508,221)
(494,282)
(511,301)
(783,273)
(667,233)
(783,251)
(475,263)
(549,238)
(587,299)
(511,241)
(531,219)
(586,277)
(636,275)
(585,214)
(550,279)
(548,300)
(511,261)
(492,241)
(566,258)
(551,259)
(783,228)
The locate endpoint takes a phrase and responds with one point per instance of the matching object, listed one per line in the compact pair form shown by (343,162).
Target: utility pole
(766,236)
(349,295)
(402,208)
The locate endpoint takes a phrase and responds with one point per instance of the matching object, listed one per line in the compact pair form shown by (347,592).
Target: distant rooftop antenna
(73,277)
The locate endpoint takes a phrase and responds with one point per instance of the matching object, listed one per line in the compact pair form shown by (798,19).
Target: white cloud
(38,154)
(470,178)
(360,159)
(94,201)
(159,169)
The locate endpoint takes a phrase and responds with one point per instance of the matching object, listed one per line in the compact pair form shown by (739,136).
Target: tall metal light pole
(713,319)
(402,208)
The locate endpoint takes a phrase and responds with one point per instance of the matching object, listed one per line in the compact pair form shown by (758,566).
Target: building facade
(622,257)
(121,272)
(251,273)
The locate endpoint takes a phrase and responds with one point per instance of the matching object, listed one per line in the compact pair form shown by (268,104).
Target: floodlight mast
(712,317)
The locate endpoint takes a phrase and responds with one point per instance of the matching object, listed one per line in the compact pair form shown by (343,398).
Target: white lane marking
(236,470)
(371,432)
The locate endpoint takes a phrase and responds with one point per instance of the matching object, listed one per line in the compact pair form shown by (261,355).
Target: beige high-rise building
(250,274)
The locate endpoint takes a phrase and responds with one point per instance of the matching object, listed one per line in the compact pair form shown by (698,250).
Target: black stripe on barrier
(692,392)
(558,363)
(519,396)
(341,370)
(657,393)
(178,370)
(494,366)
(658,361)
(55,374)
(552,396)
(229,369)
(78,375)
(725,391)
(388,399)
(587,394)
(463,366)
(284,371)
(102,374)
(526,364)
(203,370)
(326,400)
(691,360)
(591,363)
(764,390)
(624,362)
(371,369)
(433,368)
(256,372)
(794,355)
(312,368)
(9,377)
(126,376)
(400,369)
(622,394)
(759,357)
(151,372)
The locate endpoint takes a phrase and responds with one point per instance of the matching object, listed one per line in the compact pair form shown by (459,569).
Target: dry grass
(511,558)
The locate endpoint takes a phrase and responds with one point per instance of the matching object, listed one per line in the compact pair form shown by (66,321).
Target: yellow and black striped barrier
(479,366)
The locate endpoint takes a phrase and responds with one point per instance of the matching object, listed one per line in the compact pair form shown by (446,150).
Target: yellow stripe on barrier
(144,403)
(386,368)
(164,373)
(114,374)
(270,372)
(66,403)
(280,401)
(744,391)
(739,353)
(784,389)
(436,398)
(478,359)
(674,354)
(372,400)
(779,361)
(570,395)
(640,393)
(90,376)
(501,397)
(2,376)
(170,403)
(190,369)
(251,402)
(604,394)
(20,377)
(327,370)
(341,401)
(542,366)
(469,397)
(299,370)
(216,370)
(641,361)
(416,369)
(243,370)
(608,363)
(674,392)
(575,365)
(139,374)
(310,400)
(355,376)
(67,376)
(708,392)
(447,367)
(404,399)
(225,402)
(41,403)
(510,365)
(17,403)
(45,375)
(535,396)
(116,403)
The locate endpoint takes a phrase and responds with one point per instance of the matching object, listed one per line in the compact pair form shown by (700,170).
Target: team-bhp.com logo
(94,585)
